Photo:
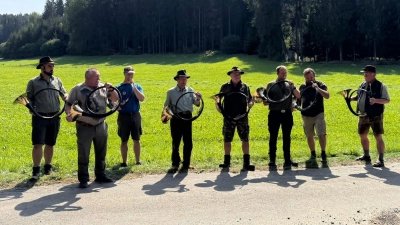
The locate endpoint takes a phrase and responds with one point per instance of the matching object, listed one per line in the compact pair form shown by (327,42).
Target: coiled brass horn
(167,114)
(347,94)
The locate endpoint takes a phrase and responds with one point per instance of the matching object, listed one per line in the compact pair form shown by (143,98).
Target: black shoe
(173,169)
(138,163)
(123,165)
(35,174)
(291,163)
(312,162)
(83,185)
(378,164)
(272,164)
(248,168)
(103,179)
(48,169)
(364,158)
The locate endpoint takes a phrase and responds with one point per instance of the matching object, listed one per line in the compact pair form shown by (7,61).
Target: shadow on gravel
(15,192)
(389,177)
(224,181)
(169,183)
(287,179)
(61,201)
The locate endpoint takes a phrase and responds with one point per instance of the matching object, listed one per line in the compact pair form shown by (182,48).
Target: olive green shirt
(47,101)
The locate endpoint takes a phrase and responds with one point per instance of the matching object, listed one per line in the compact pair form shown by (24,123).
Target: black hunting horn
(309,91)
(77,111)
(23,99)
(220,100)
(170,111)
(261,94)
(348,94)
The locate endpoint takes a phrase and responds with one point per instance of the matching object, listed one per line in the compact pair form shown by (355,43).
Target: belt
(86,124)
(185,112)
(282,110)
(47,114)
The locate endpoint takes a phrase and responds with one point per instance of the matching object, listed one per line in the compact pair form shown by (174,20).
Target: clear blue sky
(21,6)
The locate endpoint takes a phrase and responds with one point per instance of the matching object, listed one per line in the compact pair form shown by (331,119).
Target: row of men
(89,129)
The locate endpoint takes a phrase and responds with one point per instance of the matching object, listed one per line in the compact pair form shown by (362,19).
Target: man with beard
(47,103)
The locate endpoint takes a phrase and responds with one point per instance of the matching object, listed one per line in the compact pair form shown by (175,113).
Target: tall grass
(208,73)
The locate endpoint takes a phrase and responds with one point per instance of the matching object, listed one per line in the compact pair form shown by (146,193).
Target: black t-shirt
(308,97)
(235,104)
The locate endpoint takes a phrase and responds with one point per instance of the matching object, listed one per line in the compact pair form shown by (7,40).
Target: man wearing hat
(280,115)
(129,118)
(44,131)
(235,105)
(371,102)
(181,129)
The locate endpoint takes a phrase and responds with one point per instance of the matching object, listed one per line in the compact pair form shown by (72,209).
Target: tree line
(321,30)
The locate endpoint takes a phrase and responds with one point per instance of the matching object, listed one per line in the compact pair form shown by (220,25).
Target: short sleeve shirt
(185,102)
(133,105)
(97,101)
(309,96)
(235,104)
(278,92)
(362,96)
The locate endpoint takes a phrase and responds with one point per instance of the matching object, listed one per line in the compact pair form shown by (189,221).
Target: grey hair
(90,71)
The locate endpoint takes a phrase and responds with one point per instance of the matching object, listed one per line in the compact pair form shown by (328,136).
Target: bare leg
(227,148)
(245,148)
(136,150)
(37,154)
(124,151)
(48,154)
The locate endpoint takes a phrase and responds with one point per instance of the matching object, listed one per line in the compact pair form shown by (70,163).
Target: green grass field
(208,73)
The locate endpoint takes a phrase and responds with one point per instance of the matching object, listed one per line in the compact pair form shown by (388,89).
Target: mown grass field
(208,73)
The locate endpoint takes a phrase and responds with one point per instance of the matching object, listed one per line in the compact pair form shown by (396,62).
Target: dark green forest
(317,30)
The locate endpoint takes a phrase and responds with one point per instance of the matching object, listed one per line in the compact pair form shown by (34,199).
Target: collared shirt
(133,105)
(98,101)
(47,101)
(279,91)
(362,96)
(184,104)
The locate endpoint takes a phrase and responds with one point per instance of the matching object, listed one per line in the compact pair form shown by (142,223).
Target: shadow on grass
(61,201)
(389,177)
(226,182)
(117,172)
(169,183)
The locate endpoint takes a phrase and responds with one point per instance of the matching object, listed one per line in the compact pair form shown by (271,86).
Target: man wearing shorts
(371,102)
(129,118)
(230,110)
(314,117)
(46,103)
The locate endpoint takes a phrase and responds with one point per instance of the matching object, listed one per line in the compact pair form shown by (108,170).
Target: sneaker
(48,169)
(34,178)
(35,174)
(364,158)
(378,164)
(123,165)
(103,179)
(312,162)
(83,185)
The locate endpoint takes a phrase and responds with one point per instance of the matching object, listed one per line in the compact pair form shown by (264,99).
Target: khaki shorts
(374,122)
(317,122)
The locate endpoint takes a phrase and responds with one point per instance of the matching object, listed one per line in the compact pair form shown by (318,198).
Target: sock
(381,157)
(366,152)
(313,154)
(323,154)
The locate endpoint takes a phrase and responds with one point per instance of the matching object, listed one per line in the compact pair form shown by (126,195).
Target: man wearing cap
(280,114)
(371,102)
(181,129)
(129,118)
(44,131)
(90,129)
(231,104)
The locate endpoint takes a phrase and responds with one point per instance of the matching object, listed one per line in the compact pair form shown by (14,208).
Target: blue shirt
(133,104)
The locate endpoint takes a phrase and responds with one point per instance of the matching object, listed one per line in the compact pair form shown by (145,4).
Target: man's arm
(138,92)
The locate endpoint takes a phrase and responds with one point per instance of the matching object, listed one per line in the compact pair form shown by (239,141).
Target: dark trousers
(181,129)
(86,135)
(275,120)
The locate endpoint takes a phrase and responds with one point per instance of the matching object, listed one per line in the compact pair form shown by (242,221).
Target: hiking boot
(48,169)
(123,165)
(364,158)
(246,163)
(83,185)
(227,162)
(35,174)
(103,179)
(378,164)
(312,162)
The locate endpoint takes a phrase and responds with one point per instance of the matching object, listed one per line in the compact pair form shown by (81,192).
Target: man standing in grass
(280,114)
(237,98)
(181,129)
(47,103)
(314,117)
(129,118)
(371,101)
(90,129)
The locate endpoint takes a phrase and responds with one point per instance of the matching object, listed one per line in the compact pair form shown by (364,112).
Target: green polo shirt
(47,101)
